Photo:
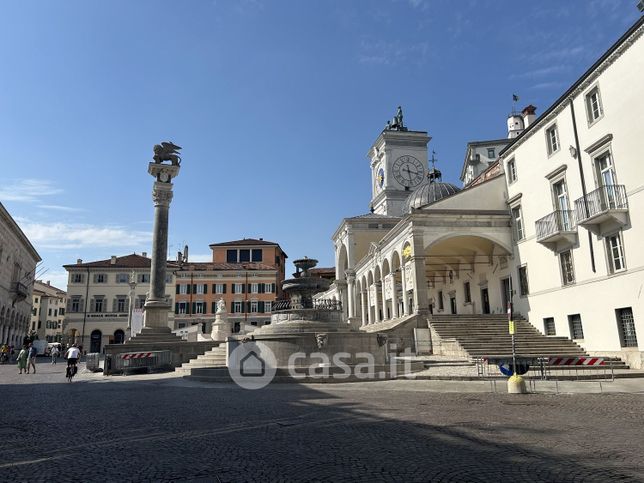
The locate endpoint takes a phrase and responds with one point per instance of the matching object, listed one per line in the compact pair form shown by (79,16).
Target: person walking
(22,360)
(54,354)
(31,357)
(4,353)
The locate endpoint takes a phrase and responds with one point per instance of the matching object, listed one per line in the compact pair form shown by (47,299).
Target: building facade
(48,312)
(18,260)
(246,274)
(101,301)
(575,188)
(553,225)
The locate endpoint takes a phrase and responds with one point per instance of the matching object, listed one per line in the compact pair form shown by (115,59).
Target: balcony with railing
(19,291)
(603,210)
(557,230)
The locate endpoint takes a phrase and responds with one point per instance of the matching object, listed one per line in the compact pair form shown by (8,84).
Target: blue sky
(275,103)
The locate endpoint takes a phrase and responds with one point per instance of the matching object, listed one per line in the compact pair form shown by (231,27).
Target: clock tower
(398,165)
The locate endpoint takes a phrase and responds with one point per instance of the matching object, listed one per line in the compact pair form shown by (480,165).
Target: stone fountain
(308,339)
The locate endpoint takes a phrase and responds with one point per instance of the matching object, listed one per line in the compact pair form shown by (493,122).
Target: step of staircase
(487,335)
(216,357)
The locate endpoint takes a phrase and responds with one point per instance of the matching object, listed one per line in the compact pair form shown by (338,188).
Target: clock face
(408,171)
(380,178)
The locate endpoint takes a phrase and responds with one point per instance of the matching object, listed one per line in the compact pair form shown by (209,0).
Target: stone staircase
(474,336)
(216,357)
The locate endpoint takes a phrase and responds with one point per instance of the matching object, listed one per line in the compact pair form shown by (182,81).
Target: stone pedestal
(221,327)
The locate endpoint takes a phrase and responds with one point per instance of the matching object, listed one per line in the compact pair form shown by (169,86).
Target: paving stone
(165,429)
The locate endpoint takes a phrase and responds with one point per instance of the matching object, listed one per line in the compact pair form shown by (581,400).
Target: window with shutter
(177,289)
(260,307)
(176,308)
(214,307)
(188,288)
(205,288)
(194,288)
(225,287)
(232,288)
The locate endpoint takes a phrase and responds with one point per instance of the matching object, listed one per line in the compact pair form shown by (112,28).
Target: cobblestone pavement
(168,429)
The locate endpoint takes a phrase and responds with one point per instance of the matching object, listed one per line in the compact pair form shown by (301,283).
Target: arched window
(119,336)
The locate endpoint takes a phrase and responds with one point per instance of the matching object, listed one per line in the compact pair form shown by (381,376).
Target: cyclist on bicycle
(72,355)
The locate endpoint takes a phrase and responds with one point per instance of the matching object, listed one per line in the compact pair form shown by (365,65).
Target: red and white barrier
(576,361)
(136,355)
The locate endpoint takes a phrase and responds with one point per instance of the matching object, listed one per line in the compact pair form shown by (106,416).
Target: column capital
(351,275)
(162,194)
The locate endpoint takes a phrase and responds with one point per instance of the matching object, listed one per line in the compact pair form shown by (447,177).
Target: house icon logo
(251,364)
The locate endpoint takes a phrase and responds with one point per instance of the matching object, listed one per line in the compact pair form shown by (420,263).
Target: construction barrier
(576,361)
(138,362)
(549,368)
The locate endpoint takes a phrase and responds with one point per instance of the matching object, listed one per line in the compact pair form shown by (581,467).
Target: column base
(156,314)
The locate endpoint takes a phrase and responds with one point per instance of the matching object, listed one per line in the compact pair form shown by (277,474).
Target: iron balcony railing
(20,289)
(556,222)
(319,304)
(601,200)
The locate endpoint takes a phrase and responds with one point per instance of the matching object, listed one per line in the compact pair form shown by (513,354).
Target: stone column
(156,308)
(394,297)
(363,304)
(403,274)
(383,292)
(421,299)
(369,317)
(351,290)
(341,285)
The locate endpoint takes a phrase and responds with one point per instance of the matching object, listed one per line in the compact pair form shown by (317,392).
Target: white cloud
(61,208)
(380,52)
(27,190)
(70,236)
(543,72)
(549,85)
(200,257)
(57,278)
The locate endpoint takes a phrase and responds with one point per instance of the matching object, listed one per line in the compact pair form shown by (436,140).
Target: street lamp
(132,284)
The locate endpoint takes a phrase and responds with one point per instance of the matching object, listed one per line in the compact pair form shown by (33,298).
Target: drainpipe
(583,181)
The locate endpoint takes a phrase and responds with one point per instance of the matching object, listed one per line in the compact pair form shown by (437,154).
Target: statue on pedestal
(167,151)
(396,124)
(221,327)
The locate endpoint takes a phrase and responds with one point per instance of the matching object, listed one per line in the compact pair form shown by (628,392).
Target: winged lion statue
(167,151)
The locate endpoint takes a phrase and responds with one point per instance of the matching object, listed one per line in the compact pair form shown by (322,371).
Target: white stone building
(18,259)
(48,312)
(555,225)
(98,298)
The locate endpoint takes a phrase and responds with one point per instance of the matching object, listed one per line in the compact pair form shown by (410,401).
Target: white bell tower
(398,165)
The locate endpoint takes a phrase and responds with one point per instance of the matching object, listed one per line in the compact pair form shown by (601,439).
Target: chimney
(144,254)
(529,115)
(48,282)
(261,239)
(113,260)
(185,253)
(79,261)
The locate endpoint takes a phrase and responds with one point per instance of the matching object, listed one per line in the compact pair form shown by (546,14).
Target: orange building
(247,274)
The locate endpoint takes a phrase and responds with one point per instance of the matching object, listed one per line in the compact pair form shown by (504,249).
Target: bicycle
(71,369)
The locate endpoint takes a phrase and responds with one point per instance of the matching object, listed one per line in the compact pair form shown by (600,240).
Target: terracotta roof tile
(128,261)
(244,242)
